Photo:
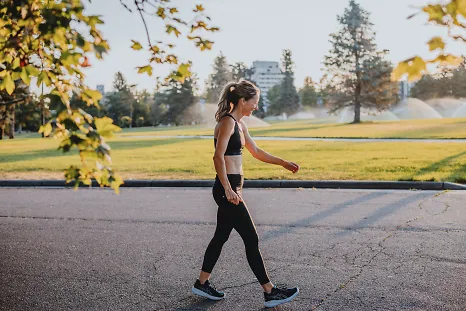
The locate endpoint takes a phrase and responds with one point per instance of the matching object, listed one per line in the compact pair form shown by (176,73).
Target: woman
(230,136)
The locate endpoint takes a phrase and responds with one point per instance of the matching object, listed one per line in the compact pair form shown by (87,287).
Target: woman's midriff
(234,164)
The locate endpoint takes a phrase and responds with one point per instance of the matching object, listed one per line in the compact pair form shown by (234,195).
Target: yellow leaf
(399,71)
(105,127)
(116,182)
(25,76)
(93,95)
(413,67)
(8,84)
(43,77)
(136,45)
(435,12)
(170,29)
(46,129)
(461,4)
(436,43)
(448,59)
(199,8)
(416,68)
(147,69)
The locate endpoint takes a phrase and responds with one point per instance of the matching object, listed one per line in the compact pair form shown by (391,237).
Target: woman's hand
(291,166)
(233,197)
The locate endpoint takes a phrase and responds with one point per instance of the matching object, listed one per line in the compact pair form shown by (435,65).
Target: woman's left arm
(264,156)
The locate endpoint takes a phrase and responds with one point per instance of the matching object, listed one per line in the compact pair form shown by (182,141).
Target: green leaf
(136,45)
(436,43)
(147,69)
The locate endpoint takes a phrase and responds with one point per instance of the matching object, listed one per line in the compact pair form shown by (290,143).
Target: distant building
(266,75)
(405,90)
(101,89)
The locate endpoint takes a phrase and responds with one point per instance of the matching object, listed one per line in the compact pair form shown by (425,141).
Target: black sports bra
(234,144)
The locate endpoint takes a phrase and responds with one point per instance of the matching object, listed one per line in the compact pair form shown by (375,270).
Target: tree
(51,41)
(273,97)
(28,115)
(178,97)
(8,104)
(308,93)
(141,108)
(459,81)
(448,82)
(449,14)
(288,98)
(426,88)
(157,109)
(360,76)
(260,112)
(216,81)
(240,71)
(120,103)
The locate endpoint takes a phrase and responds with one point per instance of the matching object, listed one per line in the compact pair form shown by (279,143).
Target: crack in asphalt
(379,251)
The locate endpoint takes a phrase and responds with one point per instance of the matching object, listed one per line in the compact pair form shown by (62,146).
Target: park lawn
(154,158)
(448,128)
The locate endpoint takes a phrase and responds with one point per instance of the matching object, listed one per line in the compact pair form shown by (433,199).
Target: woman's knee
(219,239)
(252,241)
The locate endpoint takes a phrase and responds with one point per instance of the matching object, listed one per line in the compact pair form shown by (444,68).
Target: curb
(323,184)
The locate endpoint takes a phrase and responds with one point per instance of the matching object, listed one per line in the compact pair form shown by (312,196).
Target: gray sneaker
(280,295)
(207,290)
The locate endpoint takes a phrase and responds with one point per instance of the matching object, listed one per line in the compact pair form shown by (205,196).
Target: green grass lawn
(433,128)
(449,128)
(155,158)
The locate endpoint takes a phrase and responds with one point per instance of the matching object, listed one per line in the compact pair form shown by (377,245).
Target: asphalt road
(142,250)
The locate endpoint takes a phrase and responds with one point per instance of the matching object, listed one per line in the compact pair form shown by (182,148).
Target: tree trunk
(357,104)
(12,122)
(357,112)
(2,131)
(42,116)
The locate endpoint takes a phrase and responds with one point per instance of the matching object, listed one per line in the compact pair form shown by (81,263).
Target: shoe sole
(274,303)
(203,294)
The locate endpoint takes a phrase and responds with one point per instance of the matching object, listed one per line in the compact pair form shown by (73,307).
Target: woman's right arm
(226,128)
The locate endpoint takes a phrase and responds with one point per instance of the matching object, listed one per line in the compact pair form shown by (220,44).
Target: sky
(253,30)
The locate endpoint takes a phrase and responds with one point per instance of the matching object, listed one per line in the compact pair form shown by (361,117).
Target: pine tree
(308,93)
(120,103)
(288,98)
(360,76)
(240,71)
(220,76)
(177,98)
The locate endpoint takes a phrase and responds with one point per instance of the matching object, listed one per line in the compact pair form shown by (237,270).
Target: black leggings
(229,217)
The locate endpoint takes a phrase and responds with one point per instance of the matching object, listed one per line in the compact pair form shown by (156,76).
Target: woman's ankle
(203,277)
(267,287)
